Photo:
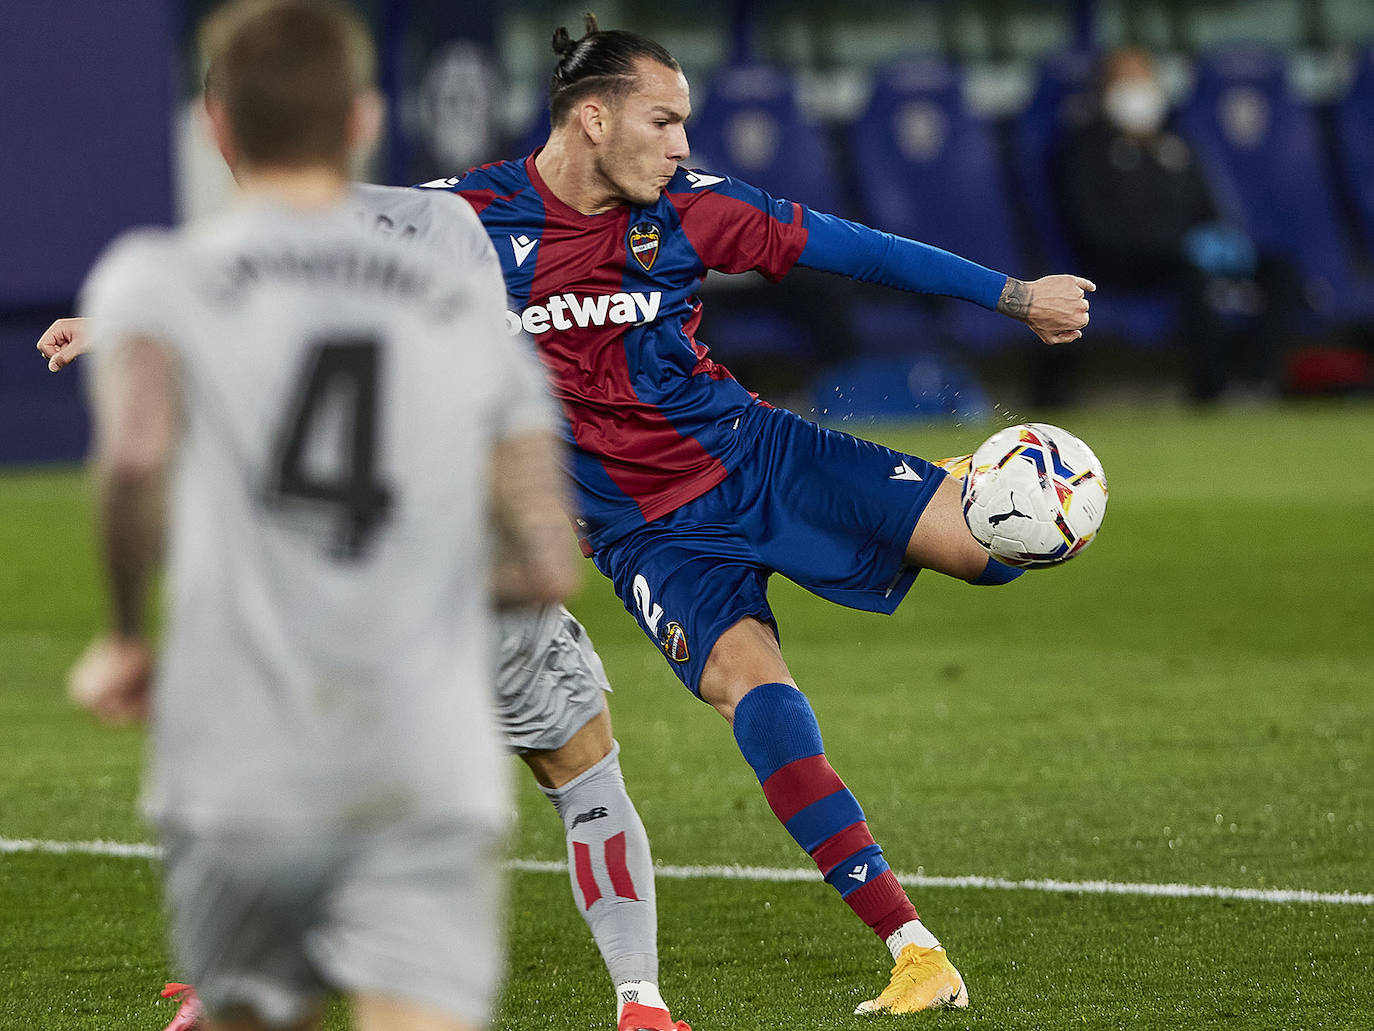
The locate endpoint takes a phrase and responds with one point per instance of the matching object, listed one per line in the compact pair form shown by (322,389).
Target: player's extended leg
(941,541)
(610,866)
(747,681)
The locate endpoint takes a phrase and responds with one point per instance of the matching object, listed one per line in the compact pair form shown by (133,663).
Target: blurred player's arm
(535,562)
(63,341)
(137,425)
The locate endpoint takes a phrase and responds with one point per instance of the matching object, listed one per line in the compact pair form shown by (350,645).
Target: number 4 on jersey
(341,381)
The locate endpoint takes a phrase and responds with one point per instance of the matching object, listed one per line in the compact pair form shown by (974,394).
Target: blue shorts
(830,512)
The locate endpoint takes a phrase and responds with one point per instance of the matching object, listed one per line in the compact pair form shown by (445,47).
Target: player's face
(646,137)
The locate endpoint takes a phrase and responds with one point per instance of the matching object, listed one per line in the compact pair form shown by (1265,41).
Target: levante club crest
(675,642)
(644,244)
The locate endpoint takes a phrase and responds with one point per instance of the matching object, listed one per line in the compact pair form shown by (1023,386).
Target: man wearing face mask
(1142,217)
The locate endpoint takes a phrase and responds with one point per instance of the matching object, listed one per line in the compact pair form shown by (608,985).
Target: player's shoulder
(503,178)
(690,186)
(413,212)
(145,252)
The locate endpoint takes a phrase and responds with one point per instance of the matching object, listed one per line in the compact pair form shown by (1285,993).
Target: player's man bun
(601,62)
(564,44)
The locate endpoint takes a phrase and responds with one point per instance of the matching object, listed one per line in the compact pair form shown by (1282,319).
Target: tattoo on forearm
(1016,299)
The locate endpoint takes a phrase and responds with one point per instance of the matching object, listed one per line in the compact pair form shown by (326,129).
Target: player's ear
(217,116)
(365,123)
(592,116)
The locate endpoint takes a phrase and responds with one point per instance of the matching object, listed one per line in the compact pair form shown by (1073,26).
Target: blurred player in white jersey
(550,703)
(344,446)
(550,695)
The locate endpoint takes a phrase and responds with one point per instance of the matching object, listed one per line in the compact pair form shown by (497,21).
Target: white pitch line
(778,875)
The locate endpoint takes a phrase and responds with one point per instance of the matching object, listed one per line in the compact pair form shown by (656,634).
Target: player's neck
(573,178)
(316,186)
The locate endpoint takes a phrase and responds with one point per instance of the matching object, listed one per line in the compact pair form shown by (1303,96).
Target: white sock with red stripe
(611,870)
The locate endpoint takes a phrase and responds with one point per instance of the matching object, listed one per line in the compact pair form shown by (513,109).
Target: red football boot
(635,1017)
(188,1014)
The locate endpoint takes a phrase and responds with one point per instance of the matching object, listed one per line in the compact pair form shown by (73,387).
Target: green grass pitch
(1190,702)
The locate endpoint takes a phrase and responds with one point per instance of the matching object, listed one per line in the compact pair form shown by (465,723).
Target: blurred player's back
(324,578)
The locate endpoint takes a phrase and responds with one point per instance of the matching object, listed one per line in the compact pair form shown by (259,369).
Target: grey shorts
(549,682)
(275,923)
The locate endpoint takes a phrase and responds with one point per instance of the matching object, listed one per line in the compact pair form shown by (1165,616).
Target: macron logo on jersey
(565,311)
(522,245)
(441,184)
(700,179)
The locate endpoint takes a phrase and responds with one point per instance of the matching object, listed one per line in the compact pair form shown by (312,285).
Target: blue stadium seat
(1263,150)
(1354,123)
(1065,99)
(749,126)
(931,169)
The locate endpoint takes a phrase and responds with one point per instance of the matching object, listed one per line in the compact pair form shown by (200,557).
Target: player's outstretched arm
(1055,307)
(63,341)
(535,563)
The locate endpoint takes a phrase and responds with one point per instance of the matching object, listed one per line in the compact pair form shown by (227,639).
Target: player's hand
(113,679)
(63,341)
(1055,307)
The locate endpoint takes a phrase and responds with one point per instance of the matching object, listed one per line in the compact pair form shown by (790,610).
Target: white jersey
(328,655)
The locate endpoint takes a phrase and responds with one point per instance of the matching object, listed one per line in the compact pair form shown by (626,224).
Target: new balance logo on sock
(591,814)
(860,872)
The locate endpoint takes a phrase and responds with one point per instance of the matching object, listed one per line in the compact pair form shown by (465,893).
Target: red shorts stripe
(795,786)
(834,850)
(621,880)
(586,880)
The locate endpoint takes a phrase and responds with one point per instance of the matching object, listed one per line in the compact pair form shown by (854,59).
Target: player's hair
(601,62)
(288,72)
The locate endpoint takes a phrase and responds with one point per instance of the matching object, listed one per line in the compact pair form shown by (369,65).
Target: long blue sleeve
(838,245)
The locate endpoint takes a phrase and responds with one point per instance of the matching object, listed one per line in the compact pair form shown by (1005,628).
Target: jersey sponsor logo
(595,813)
(521,246)
(905,472)
(675,642)
(644,239)
(569,311)
(700,179)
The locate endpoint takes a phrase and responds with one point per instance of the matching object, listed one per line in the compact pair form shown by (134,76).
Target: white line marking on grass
(778,875)
(119,849)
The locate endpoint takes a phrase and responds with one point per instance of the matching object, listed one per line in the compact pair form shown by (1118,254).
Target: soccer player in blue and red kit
(691,491)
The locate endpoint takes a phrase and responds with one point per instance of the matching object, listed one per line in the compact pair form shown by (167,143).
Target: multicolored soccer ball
(1035,495)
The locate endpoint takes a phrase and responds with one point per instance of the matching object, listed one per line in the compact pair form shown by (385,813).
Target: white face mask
(1136,107)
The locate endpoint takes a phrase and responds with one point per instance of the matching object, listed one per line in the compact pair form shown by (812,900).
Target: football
(1034,495)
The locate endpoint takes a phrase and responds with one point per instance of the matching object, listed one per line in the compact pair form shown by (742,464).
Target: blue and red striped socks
(778,735)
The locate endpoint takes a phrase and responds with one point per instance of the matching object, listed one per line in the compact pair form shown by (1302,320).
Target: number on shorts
(652,612)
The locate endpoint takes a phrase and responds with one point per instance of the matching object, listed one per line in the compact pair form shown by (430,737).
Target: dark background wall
(84,152)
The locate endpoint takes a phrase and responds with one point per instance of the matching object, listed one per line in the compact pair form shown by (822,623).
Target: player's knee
(995,574)
(774,724)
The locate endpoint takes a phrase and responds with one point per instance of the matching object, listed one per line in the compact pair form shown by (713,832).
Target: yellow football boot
(923,979)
